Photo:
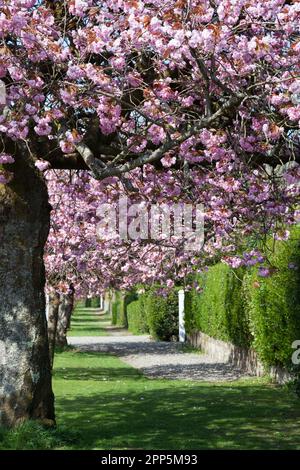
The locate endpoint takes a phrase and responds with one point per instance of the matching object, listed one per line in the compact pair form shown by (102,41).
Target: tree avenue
(193,101)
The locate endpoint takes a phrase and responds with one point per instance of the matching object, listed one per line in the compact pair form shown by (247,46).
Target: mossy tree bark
(25,375)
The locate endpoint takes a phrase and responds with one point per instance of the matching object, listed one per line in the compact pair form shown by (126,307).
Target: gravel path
(159,359)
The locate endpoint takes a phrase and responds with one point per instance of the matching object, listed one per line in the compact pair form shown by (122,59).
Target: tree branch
(157,154)
(94,164)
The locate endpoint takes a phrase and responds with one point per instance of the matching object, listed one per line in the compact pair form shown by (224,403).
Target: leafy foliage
(156,314)
(162,315)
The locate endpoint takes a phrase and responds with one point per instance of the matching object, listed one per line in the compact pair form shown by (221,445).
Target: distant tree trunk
(25,375)
(64,316)
(123,310)
(53,309)
(108,301)
(71,305)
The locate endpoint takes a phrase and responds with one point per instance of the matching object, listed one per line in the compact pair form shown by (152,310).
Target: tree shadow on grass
(124,347)
(87,328)
(204,372)
(116,329)
(183,417)
(89,310)
(82,319)
(97,374)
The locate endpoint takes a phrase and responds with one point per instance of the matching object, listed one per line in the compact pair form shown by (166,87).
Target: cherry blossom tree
(203,93)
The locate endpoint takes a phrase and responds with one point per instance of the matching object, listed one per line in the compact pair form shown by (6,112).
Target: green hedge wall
(273,304)
(249,310)
(218,310)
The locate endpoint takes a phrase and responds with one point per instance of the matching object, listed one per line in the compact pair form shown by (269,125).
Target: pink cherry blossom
(5,158)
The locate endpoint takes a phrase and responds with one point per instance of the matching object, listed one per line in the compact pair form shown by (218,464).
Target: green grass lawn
(102,403)
(88,322)
(112,406)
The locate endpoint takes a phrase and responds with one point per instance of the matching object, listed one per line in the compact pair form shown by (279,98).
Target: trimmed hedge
(116,309)
(95,302)
(252,311)
(162,315)
(155,314)
(119,308)
(218,311)
(273,304)
(136,315)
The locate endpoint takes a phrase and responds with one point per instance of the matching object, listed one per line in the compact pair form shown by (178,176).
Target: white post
(181,316)
(2,92)
(47,306)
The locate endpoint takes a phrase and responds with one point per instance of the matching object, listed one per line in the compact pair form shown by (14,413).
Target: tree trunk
(52,323)
(64,317)
(123,310)
(25,375)
(71,305)
(107,302)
